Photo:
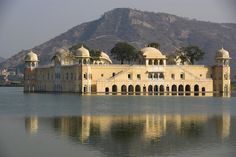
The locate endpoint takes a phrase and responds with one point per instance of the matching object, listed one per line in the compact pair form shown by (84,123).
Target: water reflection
(31,124)
(139,134)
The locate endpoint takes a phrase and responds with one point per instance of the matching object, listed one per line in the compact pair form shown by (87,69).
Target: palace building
(80,73)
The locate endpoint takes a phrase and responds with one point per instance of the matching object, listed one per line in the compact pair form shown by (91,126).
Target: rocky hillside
(139,28)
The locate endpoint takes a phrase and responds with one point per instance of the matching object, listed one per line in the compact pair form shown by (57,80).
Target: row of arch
(157,90)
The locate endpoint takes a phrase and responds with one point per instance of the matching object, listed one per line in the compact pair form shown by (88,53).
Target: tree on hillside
(155,45)
(189,54)
(122,51)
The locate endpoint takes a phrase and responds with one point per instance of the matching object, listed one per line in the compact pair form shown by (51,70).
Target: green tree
(95,54)
(189,54)
(122,51)
(155,45)
(171,59)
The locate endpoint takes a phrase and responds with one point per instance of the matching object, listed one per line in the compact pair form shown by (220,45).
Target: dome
(82,52)
(222,54)
(103,55)
(151,52)
(31,57)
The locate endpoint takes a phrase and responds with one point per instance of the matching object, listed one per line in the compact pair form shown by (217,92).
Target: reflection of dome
(82,52)
(103,55)
(151,52)
(31,57)
(222,54)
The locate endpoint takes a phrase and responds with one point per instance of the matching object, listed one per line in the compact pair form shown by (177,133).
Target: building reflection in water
(225,125)
(31,124)
(138,130)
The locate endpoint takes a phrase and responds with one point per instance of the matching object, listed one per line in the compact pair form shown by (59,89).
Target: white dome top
(82,52)
(31,57)
(151,52)
(222,54)
(103,55)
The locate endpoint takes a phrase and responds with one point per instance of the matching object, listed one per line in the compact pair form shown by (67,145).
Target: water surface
(74,125)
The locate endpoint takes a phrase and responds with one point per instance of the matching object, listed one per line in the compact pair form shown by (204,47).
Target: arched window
(174,89)
(149,62)
(161,62)
(181,90)
(161,76)
(155,62)
(196,90)
(187,90)
(131,90)
(203,91)
(123,90)
(156,90)
(167,90)
(149,75)
(150,90)
(144,90)
(107,90)
(162,90)
(155,75)
(114,89)
(137,89)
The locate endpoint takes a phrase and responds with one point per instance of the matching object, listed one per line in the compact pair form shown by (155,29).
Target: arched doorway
(107,90)
(187,90)
(155,90)
(167,90)
(174,90)
(203,91)
(144,90)
(123,90)
(196,90)
(137,89)
(150,90)
(162,90)
(131,90)
(114,89)
(181,90)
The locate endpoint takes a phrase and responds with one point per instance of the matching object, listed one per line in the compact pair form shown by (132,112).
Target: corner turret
(221,75)
(31,60)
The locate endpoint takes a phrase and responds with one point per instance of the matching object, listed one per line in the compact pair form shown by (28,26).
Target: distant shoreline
(21,85)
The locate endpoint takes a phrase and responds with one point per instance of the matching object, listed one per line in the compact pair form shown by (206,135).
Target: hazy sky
(27,23)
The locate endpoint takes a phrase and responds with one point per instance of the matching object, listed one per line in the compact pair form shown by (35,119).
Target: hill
(139,28)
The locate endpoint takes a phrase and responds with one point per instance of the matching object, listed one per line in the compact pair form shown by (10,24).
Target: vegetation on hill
(189,54)
(155,45)
(123,51)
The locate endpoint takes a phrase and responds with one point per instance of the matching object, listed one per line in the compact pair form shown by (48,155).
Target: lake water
(47,125)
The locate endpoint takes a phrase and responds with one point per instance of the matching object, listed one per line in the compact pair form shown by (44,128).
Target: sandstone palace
(78,72)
